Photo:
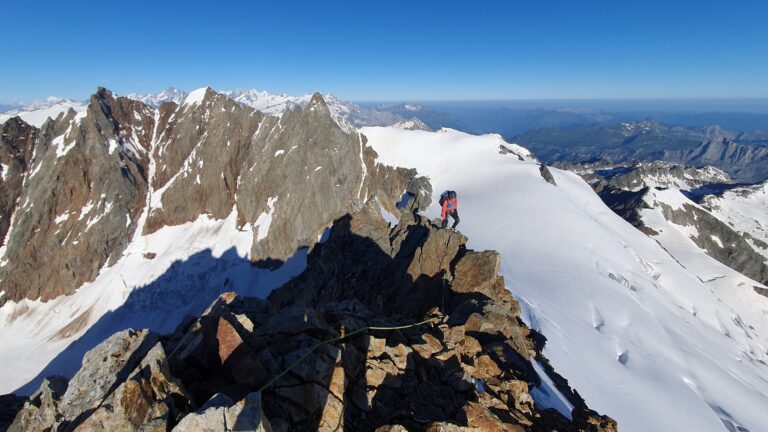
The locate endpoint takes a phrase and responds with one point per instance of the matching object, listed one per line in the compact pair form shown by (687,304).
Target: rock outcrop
(387,329)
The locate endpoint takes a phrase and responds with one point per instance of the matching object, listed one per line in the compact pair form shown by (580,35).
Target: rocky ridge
(468,369)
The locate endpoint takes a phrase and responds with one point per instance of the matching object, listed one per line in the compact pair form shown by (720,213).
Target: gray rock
(546,174)
(104,368)
(150,399)
(41,411)
(220,414)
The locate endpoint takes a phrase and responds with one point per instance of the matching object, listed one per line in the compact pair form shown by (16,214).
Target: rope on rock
(342,337)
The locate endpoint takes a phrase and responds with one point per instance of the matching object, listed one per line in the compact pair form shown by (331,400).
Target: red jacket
(449,205)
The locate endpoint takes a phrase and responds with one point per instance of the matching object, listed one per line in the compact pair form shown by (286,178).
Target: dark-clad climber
(450,205)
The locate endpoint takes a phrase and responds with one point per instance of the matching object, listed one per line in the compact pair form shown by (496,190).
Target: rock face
(345,345)
(75,192)
(83,188)
(17,144)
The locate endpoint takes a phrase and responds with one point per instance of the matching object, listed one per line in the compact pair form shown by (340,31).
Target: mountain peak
(317,101)
(170,94)
(198,96)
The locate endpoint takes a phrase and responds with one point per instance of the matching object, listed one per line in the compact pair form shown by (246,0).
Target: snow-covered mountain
(171,94)
(413,124)
(720,218)
(37,113)
(346,113)
(746,210)
(131,216)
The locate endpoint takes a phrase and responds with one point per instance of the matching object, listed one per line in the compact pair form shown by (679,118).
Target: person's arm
(445,209)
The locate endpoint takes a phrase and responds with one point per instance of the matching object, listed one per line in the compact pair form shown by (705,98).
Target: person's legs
(455,216)
(444,223)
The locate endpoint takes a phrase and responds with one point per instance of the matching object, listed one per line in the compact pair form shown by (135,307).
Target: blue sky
(393,50)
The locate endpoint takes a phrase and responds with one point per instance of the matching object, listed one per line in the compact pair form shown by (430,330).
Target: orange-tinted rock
(228,339)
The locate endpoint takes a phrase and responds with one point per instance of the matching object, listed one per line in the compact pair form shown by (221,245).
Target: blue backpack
(449,194)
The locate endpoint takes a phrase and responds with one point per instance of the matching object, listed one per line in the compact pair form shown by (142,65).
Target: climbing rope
(342,337)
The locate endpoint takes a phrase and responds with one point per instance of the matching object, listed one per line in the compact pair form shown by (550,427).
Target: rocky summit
(387,329)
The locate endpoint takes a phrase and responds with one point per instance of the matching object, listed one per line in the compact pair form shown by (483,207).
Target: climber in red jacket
(450,205)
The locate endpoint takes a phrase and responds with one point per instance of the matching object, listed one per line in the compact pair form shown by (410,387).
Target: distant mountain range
(345,113)
(743,156)
(510,118)
(37,113)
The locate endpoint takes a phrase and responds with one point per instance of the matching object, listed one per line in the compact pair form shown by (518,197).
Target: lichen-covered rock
(220,414)
(151,399)
(41,411)
(104,368)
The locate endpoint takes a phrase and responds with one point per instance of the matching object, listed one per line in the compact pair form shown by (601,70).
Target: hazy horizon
(757,105)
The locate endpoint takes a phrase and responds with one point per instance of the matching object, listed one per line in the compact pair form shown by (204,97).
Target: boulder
(41,411)
(476,272)
(104,368)
(151,399)
(220,414)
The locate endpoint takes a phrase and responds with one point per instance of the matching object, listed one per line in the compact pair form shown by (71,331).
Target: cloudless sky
(389,50)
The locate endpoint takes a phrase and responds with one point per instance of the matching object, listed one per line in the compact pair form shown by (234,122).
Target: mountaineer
(450,206)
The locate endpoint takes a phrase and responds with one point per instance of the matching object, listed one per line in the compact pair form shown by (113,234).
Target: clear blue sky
(389,50)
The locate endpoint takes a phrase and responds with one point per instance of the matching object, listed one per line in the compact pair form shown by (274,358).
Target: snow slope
(37,114)
(642,337)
